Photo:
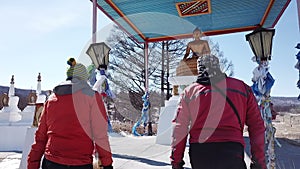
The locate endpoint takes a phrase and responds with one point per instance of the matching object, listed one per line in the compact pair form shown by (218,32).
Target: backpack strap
(231,104)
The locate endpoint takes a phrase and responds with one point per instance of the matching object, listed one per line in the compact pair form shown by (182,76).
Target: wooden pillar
(150,133)
(94,21)
(298,7)
(162,86)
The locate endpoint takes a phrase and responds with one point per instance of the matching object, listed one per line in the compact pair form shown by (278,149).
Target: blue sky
(39,36)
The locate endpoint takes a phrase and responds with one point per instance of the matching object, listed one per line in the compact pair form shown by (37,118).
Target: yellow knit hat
(77,71)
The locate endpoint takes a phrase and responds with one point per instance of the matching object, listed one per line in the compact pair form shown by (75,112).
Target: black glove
(178,165)
(108,167)
(255,165)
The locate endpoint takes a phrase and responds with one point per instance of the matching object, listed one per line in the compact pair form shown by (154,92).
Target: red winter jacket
(206,116)
(73,117)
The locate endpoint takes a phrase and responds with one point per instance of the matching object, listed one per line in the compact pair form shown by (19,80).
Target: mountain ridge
(21,93)
(281,103)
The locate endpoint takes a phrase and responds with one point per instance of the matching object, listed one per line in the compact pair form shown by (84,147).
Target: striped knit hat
(79,71)
(208,66)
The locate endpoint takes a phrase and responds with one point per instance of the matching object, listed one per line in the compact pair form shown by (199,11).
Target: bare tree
(127,60)
(226,65)
(127,65)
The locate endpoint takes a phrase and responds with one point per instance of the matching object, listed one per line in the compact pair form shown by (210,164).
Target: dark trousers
(47,164)
(227,155)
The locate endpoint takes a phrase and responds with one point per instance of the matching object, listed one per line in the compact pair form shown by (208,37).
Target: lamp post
(99,54)
(260,41)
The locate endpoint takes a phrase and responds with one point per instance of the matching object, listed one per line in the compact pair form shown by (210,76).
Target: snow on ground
(10,160)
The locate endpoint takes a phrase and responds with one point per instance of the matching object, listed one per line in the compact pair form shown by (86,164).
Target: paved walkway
(142,152)
(287,156)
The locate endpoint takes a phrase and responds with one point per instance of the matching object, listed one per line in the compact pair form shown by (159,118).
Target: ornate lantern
(99,54)
(260,41)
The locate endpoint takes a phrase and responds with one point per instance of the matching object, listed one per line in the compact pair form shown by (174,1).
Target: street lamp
(99,54)
(260,41)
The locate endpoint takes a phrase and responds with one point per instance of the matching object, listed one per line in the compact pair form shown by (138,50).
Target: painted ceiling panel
(155,20)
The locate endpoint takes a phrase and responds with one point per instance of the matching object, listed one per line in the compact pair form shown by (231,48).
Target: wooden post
(298,7)
(168,73)
(162,92)
(94,21)
(147,85)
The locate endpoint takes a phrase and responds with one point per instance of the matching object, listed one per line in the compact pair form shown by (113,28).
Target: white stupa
(41,98)
(186,74)
(32,116)
(11,113)
(33,99)
(164,130)
(15,126)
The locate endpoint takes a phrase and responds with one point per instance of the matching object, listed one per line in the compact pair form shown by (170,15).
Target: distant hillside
(286,104)
(22,93)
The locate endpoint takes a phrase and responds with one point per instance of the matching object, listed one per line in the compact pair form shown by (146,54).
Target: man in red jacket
(73,124)
(213,111)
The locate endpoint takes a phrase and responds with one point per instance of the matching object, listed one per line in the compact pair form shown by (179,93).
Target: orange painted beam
(281,12)
(208,33)
(267,12)
(121,14)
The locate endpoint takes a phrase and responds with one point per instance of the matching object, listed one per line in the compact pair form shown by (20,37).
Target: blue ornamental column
(98,80)
(260,41)
(99,55)
(144,115)
(297,66)
(262,84)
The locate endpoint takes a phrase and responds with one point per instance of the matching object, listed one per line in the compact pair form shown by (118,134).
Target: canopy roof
(157,20)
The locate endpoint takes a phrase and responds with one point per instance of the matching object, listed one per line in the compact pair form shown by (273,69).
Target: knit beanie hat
(71,62)
(79,71)
(208,66)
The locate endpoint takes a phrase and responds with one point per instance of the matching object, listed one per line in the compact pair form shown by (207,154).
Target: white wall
(12,138)
(164,130)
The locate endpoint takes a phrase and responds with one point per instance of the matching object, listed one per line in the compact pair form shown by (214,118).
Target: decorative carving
(175,90)
(187,67)
(4,99)
(37,114)
(31,98)
(192,8)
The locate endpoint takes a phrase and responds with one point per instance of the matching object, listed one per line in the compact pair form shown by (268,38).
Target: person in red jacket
(213,112)
(73,124)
